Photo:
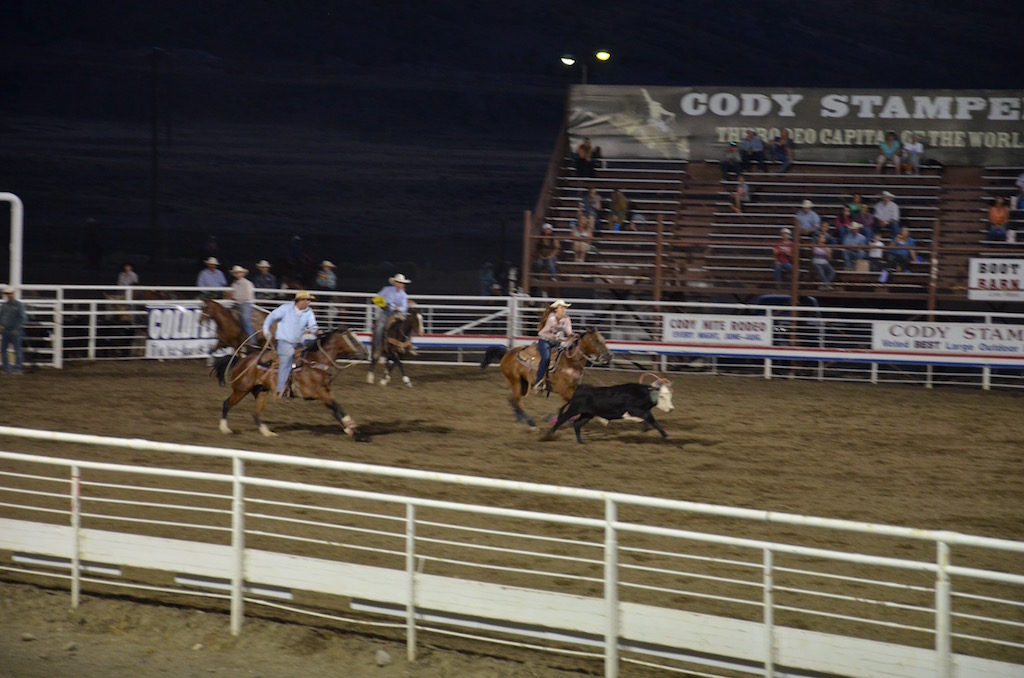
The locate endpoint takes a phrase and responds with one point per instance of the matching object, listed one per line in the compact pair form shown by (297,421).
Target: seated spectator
(1020,193)
(581,237)
(912,153)
(752,150)
(903,250)
(843,223)
(889,152)
(783,253)
(998,217)
(127,277)
(589,209)
(731,164)
(876,255)
(741,195)
(584,159)
(856,204)
(807,221)
(887,213)
(854,246)
(618,210)
(867,219)
(821,260)
(547,251)
(782,151)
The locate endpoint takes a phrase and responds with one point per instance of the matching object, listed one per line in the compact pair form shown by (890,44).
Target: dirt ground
(943,458)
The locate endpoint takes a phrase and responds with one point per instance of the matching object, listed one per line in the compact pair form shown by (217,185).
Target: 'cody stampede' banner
(957,127)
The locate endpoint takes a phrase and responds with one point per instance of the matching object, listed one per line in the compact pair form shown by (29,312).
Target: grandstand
(687,243)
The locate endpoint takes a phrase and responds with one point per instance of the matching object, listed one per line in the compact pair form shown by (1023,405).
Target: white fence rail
(95,323)
(607,577)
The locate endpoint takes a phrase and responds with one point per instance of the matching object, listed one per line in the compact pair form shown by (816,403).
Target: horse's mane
(322,340)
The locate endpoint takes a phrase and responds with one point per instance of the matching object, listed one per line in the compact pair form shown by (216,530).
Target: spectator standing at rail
(887,212)
(741,195)
(912,153)
(264,279)
(783,253)
(326,279)
(244,294)
(487,279)
(293,320)
(807,221)
(998,217)
(12,329)
(752,150)
(783,151)
(211,276)
(732,163)
(127,277)
(547,251)
(888,152)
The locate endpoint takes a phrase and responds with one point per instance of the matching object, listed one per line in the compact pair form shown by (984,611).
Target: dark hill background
(392,135)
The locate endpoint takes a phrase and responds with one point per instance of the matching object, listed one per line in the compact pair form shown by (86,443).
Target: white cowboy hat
(887,194)
(547,227)
(399,278)
(8,290)
(559,302)
(808,204)
(262,263)
(239,269)
(303,294)
(212,260)
(328,264)
(786,231)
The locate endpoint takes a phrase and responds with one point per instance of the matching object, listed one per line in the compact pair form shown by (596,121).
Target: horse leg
(401,368)
(564,415)
(388,366)
(229,402)
(261,402)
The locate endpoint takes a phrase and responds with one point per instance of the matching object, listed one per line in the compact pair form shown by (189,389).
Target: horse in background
(229,330)
(565,371)
(312,377)
(397,344)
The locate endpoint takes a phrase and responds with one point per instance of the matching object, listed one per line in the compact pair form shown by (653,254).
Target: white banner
(968,339)
(178,332)
(717,330)
(1001,279)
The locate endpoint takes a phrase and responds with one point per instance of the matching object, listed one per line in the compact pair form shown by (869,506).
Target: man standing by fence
(12,326)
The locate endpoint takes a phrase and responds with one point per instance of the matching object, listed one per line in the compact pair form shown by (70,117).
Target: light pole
(570,60)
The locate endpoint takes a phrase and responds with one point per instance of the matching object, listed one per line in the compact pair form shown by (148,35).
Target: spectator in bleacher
(867,219)
(807,221)
(888,152)
(854,242)
(589,209)
(581,237)
(876,255)
(752,150)
(856,204)
(1020,191)
(547,251)
(783,253)
(618,210)
(127,277)
(584,159)
(782,151)
(821,260)
(488,280)
(211,276)
(843,223)
(264,279)
(998,217)
(903,250)
(912,153)
(741,195)
(887,212)
(732,163)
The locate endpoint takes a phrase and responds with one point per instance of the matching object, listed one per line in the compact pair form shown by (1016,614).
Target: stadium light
(570,60)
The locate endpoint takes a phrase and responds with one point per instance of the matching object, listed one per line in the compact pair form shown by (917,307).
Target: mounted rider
(391,299)
(244,294)
(555,328)
(293,319)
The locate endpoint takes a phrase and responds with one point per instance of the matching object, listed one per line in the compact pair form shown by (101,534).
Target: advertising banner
(996,279)
(967,339)
(176,331)
(717,330)
(957,127)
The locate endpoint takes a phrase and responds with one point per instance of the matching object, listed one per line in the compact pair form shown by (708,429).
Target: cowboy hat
(262,263)
(547,227)
(328,264)
(887,194)
(212,260)
(399,278)
(239,269)
(303,294)
(808,204)
(8,290)
(559,302)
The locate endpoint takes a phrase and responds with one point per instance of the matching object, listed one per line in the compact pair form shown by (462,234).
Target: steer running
(623,401)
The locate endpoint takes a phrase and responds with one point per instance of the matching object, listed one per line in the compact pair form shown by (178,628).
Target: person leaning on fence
(264,279)
(294,319)
(211,276)
(12,329)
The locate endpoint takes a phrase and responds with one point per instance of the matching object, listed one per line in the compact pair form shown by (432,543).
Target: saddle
(529,355)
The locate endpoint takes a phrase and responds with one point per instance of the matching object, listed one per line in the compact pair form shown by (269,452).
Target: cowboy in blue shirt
(293,319)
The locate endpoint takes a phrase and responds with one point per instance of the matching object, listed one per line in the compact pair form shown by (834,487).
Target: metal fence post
(238,545)
(58,329)
(943,610)
(611,591)
(769,614)
(76,530)
(513,319)
(91,351)
(410,573)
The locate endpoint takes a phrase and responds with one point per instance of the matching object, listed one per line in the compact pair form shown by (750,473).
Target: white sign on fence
(996,279)
(178,332)
(948,338)
(717,330)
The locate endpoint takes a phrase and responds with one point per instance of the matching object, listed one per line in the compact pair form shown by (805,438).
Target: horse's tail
(493,354)
(222,365)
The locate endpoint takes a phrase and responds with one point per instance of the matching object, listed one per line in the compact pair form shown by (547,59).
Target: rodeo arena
(799,444)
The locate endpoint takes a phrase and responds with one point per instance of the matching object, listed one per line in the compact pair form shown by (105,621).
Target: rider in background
(391,298)
(293,320)
(244,294)
(555,328)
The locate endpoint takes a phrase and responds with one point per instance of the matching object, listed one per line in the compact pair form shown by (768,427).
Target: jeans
(781,269)
(851,257)
(544,348)
(12,339)
(285,355)
(825,272)
(245,318)
(378,329)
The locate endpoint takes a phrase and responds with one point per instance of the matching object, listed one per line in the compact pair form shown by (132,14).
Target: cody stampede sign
(178,331)
(966,127)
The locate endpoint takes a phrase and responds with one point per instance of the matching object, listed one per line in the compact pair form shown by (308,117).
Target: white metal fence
(95,323)
(610,578)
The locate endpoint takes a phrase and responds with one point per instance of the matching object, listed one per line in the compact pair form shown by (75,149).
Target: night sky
(390,133)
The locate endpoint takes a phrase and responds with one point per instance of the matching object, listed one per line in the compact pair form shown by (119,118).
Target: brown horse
(229,330)
(519,367)
(312,376)
(397,345)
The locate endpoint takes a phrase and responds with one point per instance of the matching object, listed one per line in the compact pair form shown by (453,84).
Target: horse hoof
(224,427)
(384,381)
(407,381)
(267,432)
(369,378)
